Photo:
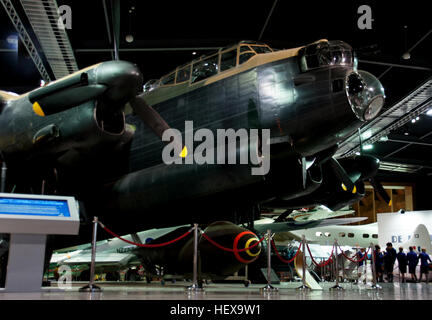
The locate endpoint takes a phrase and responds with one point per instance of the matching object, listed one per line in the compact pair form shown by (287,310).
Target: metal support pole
(269,288)
(91,287)
(374,274)
(304,285)
(321,271)
(358,263)
(336,286)
(195,287)
(365,266)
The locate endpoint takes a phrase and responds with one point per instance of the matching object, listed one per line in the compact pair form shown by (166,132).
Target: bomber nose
(365,94)
(124,80)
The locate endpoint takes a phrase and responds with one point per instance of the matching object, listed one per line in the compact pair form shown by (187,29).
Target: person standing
(402,263)
(424,265)
(379,263)
(389,261)
(412,263)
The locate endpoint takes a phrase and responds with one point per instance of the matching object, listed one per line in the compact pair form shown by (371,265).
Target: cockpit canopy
(210,65)
(326,53)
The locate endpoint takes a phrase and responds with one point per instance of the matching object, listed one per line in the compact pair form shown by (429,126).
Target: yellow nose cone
(38,110)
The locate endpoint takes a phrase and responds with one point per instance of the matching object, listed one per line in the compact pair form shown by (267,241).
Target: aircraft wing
(291,226)
(101,259)
(318,213)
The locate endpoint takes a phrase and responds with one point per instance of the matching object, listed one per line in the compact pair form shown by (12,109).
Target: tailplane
(419,239)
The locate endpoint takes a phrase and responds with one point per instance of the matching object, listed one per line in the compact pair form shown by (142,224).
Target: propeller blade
(380,191)
(340,172)
(304,171)
(149,116)
(152,119)
(283,215)
(115,6)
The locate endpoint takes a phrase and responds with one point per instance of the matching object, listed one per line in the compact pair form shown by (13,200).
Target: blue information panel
(34,207)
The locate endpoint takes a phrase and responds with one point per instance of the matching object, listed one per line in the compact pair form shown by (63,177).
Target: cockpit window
(324,54)
(183,74)
(245,57)
(205,68)
(228,60)
(245,48)
(169,79)
(261,49)
(150,85)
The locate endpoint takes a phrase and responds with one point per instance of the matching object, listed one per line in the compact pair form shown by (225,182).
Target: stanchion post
(304,285)
(195,287)
(336,286)
(91,287)
(358,263)
(321,270)
(269,288)
(365,266)
(374,275)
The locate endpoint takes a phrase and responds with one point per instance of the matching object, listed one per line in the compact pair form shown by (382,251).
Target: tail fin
(420,239)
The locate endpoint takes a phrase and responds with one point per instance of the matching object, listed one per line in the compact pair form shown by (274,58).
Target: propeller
(153,120)
(340,172)
(149,116)
(349,186)
(378,187)
(283,215)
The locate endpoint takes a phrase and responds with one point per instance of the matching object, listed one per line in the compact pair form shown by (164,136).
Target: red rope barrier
(352,260)
(144,245)
(228,249)
(280,257)
(323,264)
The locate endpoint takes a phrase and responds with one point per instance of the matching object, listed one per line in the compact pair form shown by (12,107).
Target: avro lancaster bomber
(78,136)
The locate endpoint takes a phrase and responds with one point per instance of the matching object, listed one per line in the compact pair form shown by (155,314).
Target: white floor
(286,291)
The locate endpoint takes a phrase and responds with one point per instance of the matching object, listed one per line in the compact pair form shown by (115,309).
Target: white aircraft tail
(419,239)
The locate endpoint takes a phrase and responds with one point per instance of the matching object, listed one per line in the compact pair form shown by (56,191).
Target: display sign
(34,207)
(38,214)
(399,228)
